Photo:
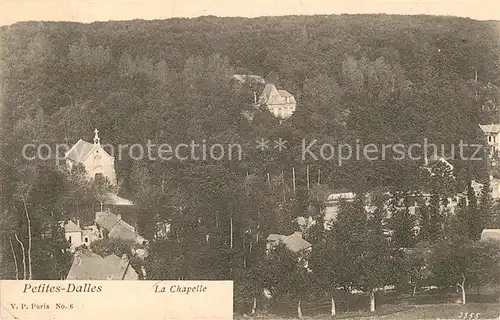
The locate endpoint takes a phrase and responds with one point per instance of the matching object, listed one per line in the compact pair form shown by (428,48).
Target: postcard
(255,159)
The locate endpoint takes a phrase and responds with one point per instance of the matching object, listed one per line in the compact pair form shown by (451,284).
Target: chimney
(118,217)
(78,222)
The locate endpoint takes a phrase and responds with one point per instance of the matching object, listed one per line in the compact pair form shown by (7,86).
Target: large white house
(93,157)
(492,134)
(280,103)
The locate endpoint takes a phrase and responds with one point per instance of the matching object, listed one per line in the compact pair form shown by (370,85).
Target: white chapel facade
(93,157)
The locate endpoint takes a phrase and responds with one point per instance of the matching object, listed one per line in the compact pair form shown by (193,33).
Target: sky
(12,11)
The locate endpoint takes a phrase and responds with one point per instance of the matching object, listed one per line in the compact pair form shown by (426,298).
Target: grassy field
(410,312)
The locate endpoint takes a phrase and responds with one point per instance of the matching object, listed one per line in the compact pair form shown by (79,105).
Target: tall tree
(402,222)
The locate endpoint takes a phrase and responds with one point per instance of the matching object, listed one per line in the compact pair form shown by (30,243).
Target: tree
(485,207)
(376,258)
(93,58)
(360,239)
(149,199)
(321,101)
(251,279)
(402,222)
(101,189)
(295,282)
(165,261)
(207,73)
(349,231)
(36,225)
(486,263)
(324,264)
(423,216)
(415,269)
(474,215)
(24,191)
(461,263)
(436,217)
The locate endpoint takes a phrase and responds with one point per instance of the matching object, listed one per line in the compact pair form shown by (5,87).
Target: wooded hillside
(372,78)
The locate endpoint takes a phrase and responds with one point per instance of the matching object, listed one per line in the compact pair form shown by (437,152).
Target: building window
(86,239)
(69,239)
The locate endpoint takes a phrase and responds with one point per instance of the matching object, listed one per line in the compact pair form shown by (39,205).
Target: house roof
(106,219)
(293,242)
(488,234)
(248,77)
(285,93)
(476,186)
(490,128)
(122,230)
(267,91)
(274,237)
(341,195)
(271,96)
(90,266)
(70,226)
(434,159)
(113,199)
(118,228)
(79,151)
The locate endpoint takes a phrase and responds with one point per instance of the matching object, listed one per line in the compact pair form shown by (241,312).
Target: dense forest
(369,78)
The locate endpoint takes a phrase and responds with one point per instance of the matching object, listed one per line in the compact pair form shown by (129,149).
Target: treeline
(375,243)
(372,78)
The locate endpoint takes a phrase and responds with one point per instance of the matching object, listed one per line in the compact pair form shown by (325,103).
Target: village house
(73,233)
(78,236)
(90,266)
(294,242)
(247,78)
(433,165)
(332,206)
(490,234)
(114,227)
(492,134)
(106,225)
(280,103)
(304,223)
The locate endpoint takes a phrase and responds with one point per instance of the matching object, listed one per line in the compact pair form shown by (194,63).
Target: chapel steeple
(97,140)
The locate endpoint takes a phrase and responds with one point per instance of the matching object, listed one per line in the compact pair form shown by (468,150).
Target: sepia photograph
(324,159)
